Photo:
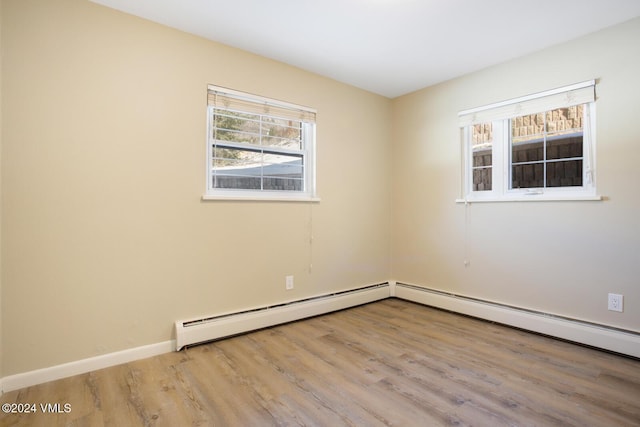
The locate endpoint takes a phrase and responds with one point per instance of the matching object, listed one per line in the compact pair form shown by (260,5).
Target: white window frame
(499,115)
(307,152)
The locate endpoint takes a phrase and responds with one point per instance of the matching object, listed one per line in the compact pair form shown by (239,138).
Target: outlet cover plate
(615,302)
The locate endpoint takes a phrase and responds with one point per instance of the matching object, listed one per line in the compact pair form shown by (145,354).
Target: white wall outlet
(615,302)
(288,282)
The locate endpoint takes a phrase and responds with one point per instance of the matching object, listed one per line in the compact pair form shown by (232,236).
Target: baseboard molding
(600,336)
(195,331)
(227,325)
(39,376)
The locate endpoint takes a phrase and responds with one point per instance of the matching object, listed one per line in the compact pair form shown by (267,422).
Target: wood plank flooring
(387,363)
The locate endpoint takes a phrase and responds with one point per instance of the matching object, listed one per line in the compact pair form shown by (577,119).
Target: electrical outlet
(615,302)
(288,282)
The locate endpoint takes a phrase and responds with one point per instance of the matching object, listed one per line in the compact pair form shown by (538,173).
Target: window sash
(257,129)
(498,177)
(262,172)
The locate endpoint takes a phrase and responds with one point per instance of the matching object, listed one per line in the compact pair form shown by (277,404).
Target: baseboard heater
(196,331)
(605,337)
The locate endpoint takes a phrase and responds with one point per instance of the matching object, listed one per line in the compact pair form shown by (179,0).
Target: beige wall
(557,257)
(105,239)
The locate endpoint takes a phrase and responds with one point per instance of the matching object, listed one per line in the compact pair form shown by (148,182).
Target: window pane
(529,175)
(564,146)
(282,133)
(527,138)
(564,173)
(568,120)
(482,150)
(283,172)
(527,128)
(564,132)
(257,130)
(278,165)
(539,143)
(527,151)
(482,179)
(254,170)
(482,157)
(236,169)
(236,127)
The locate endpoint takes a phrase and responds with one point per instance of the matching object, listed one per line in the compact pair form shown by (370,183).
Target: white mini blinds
(568,96)
(234,100)
(536,147)
(259,148)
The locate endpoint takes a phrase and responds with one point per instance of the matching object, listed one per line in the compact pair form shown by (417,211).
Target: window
(538,147)
(258,148)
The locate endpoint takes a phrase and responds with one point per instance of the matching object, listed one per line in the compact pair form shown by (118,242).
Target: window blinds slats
(228,99)
(579,93)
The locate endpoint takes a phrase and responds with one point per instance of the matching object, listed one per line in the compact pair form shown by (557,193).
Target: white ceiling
(390,47)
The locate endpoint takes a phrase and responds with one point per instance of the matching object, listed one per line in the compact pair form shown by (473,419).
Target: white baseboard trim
(600,336)
(608,338)
(392,288)
(39,376)
(194,331)
(228,326)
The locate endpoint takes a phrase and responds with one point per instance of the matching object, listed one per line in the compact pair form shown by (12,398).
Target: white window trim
(499,113)
(309,152)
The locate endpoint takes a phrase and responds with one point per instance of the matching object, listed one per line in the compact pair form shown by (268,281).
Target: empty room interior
(319,213)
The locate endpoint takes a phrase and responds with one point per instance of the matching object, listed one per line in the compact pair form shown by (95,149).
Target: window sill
(534,198)
(260,198)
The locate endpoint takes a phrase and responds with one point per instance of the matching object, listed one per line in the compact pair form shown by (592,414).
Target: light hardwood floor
(387,363)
